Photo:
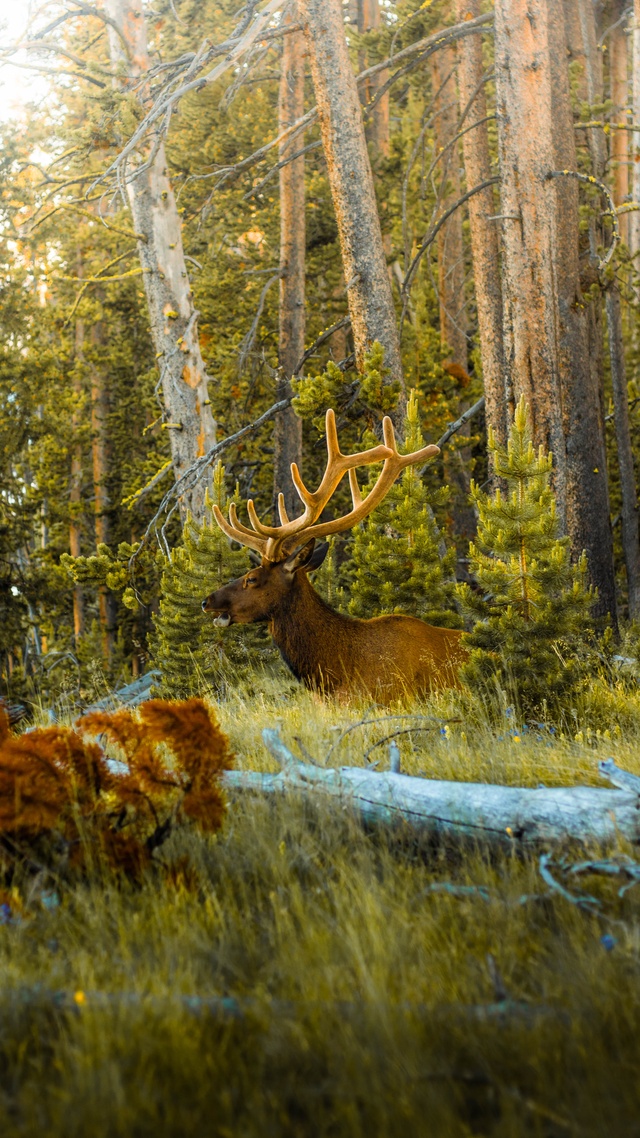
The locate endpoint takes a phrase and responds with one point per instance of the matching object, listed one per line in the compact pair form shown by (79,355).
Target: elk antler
(273,541)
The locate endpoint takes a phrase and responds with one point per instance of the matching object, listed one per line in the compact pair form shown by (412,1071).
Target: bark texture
(451,274)
(629,511)
(172,315)
(377,131)
(634,218)
(288,427)
(504,816)
(369,295)
(485,249)
(585,44)
(548,328)
(75,480)
(619,96)
(102,502)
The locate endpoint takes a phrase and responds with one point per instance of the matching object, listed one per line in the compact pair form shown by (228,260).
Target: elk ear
(317,557)
(300,558)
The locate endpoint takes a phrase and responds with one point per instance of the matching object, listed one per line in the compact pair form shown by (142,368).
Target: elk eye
(252,580)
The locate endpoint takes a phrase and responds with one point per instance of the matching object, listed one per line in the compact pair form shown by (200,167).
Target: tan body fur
(385,658)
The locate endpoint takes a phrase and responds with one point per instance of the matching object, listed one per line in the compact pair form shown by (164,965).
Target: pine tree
(191,653)
(396,564)
(533,602)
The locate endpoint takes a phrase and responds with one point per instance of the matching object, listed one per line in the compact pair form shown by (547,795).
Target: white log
(498,814)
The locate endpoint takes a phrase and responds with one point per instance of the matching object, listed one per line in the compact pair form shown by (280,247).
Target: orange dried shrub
(201,750)
(43,773)
(56,780)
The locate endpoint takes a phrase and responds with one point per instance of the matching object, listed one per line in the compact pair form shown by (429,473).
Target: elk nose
(204,604)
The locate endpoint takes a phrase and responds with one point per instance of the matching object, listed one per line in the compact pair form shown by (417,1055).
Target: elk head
(261,592)
(288,551)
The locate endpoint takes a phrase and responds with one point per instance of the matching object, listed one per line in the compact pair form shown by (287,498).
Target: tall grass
(366,1002)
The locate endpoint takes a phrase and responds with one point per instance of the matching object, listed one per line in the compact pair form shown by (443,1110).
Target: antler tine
(282,510)
(356,496)
(271,541)
(236,523)
(238,532)
(389,434)
(394,463)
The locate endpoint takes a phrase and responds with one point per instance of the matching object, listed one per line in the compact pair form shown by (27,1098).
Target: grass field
(360,1000)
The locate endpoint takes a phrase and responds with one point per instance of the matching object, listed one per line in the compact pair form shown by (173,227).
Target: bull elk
(383,657)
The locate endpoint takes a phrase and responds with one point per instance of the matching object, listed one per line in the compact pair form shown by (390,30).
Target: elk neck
(309,633)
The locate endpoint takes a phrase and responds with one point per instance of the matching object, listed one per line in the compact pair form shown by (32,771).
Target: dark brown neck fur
(310,636)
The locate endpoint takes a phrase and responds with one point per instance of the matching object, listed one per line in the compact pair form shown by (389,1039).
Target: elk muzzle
(214,604)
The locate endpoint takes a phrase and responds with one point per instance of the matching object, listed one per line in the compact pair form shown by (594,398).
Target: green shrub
(533,608)
(399,562)
(190,652)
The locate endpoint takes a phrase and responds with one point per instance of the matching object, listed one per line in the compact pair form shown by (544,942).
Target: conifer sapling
(533,603)
(397,562)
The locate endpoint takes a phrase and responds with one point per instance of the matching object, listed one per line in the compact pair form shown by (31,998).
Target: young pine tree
(189,650)
(396,561)
(533,602)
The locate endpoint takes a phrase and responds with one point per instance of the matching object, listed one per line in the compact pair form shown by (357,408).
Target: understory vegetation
(293,974)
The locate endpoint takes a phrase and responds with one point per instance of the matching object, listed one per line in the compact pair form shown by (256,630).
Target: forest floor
(298,976)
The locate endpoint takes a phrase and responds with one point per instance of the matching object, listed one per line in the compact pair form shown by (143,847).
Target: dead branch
(611,212)
(433,233)
(250,29)
(501,816)
(322,338)
(248,341)
(279,165)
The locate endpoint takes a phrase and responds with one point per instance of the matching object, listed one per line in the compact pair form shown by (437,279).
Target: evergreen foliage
(190,652)
(533,602)
(396,563)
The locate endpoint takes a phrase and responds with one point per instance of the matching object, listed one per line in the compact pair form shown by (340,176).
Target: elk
(385,657)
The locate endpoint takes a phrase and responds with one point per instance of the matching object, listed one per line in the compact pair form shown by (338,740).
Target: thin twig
(611,212)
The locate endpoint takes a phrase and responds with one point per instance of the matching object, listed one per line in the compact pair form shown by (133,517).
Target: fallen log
(500,815)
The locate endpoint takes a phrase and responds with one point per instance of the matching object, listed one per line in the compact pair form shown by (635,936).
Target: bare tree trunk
(172,315)
(484,233)
(593,93)
(369,20)
(634,218)
(451,274)
(451,279)
(619,96)
(629,512)
(102,504)
(547,326)
(288,427)
(369,294)
(75,487)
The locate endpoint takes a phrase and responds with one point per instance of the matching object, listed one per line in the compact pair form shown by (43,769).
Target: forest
(320,568)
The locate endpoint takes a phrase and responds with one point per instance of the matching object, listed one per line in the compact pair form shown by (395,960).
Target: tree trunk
(369,295)
(102,504)
(547,326)
(75,486)
(582,41)
(451,280)
(451,274)
(172,315)
(619,96)
(629,512)
(484,233)
(288,427)
(634,218)
(377,131)
(500,816)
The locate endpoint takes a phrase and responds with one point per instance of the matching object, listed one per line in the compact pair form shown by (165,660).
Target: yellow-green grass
(365,1000)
